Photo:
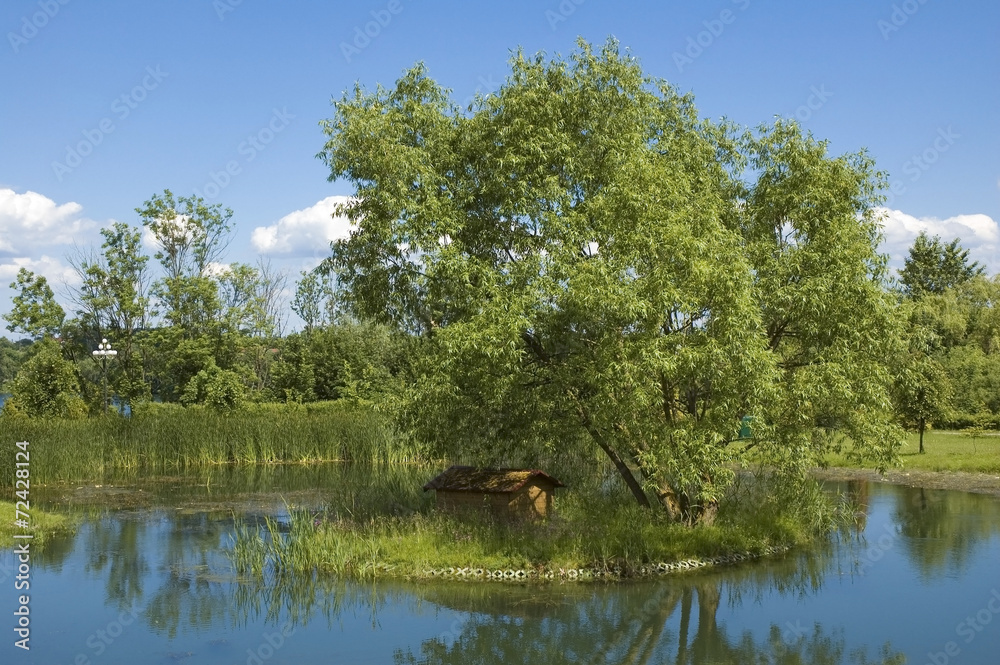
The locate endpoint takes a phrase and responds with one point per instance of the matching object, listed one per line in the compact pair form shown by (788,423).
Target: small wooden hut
(508,493)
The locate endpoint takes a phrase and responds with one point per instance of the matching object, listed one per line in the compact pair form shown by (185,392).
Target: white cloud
(980,234)
(216,269)
(305,231)
(31,220)
(54,270)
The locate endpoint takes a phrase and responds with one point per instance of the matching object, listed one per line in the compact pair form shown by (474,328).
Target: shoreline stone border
(591,573)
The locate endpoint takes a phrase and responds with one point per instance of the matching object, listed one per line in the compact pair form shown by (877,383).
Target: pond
(145,580)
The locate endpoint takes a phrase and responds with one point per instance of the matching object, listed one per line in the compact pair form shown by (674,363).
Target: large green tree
(810,228)
(587,263)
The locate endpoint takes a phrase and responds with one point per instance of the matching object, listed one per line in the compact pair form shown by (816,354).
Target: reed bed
(592,531)
(160,438)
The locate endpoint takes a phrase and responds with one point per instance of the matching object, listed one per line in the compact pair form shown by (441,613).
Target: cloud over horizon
(31,219)
(978,233)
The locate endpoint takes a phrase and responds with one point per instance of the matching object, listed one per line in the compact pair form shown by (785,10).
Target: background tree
(924,394)
(12,354)
(583,263)
(934,267)
(958,332)
(308,301)
(114,303)
(34,311)
(191,236)
(47,386)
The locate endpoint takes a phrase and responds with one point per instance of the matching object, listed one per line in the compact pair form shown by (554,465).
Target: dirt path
(981,483)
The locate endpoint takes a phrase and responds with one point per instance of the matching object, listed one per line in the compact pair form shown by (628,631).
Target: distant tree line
(201,332)
(950,374)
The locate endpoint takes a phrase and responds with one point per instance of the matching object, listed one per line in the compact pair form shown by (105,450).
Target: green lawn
(946,451)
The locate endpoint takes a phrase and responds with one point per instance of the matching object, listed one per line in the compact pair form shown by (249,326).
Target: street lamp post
(104,351)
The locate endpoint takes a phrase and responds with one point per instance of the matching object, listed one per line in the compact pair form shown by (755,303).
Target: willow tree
(582,260)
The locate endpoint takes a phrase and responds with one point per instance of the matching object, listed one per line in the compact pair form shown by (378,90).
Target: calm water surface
(145,580)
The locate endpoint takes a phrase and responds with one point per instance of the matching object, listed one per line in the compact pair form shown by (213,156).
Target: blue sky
(108,102)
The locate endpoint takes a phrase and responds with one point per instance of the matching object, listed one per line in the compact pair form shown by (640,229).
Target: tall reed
(161,438)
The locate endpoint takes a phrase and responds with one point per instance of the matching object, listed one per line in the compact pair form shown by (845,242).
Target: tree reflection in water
(943,530)
(170,564)
(671,621)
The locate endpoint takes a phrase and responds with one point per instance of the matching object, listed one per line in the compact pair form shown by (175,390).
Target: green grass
(161,438)
(606,533)
(43,525)
(945,451)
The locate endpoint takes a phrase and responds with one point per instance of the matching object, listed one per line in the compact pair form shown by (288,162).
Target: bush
(47,386)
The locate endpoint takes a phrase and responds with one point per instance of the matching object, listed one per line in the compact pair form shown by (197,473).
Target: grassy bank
(604,533)
(161,438)
(945,451)
(43,525)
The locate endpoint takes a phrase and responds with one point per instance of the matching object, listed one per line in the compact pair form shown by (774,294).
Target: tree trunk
(620,465)
(921,425)
(681,508)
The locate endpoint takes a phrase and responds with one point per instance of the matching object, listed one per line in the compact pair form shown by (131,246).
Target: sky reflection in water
(151,584)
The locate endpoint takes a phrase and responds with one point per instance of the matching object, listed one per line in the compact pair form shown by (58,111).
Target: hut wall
(532,500)
(471,501)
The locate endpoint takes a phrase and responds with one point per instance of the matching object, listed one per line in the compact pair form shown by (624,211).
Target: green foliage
(250,299)
(47,386)
(218,389)
(582,257)
(954,337)
(590,529)
(365,363)
(191,236)
(35,311)
(315,302)
(114,301)
(12,354)
(161,438)
(935,267)
(190,233)
(811,231)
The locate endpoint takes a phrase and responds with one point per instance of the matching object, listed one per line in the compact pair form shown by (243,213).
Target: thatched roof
(473,479)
